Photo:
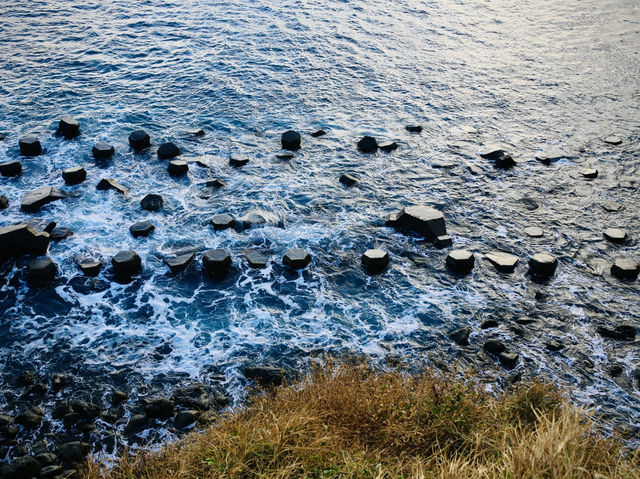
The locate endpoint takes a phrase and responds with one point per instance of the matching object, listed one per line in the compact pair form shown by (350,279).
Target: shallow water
(539,77)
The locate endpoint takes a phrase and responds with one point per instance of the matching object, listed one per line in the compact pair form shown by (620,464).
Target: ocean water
(541,78)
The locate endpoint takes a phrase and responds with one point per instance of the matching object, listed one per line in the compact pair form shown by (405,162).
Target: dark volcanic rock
(137,423)
(192,396)
(68,127)
(34,200)
(16,240)
(178,167)
(222,222)
(622,332)
(90,268)
(31,418)
(238,161)
(256,259)
(319,133)
(27,378)
(102,151)
(118,396)
(625,268)
(443,241)
(180,262)
(348,179)
(266,376)
(30,146)
(290,140)
(423,220)
(413,128)
(161,408)
(216,262)
(141,228)
(504,262)
(488,324)
(375,260)
(139,140)
(284,156)
(85,410)
(460,261)
(73,176)
(74,451)
(126,263)
(215,183)
(499,158)
(168,150)
(508,360)
(615,235)
(296,258)
(42,269)
(197,132)
(185,418)
(543,264)
(152,202)
(461,336)
(389,147)
(494,346)
(60,233)
(368,144)
(10,168)
(4,204)
(111,184)
(256,217)
(24,467)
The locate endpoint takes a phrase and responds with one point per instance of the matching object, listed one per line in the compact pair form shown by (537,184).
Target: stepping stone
(142,228)
(216,262)
(423,220)
(589,173)
(533,231)
(10,168)
(178,167)
(284,156)
(389,147)
(413,128)
(42,269)
(4,202)
(179,262)
(168,150)
(22,238)
(348,180)
(256,259)
(611,206)
(443,165)
(318,134)
(215,183)
(613,140)
(111,184)
(543,264)
(74,176)
(504,262)
(443,241)
(222,222)
(625,268)
(494,346)
(238,161)
(368,144)
(290,140)
(152,202)
(375,260)
(68,127)
(296,258)
(90,267)
(126,263)
(60,233)
(623,332)
(139,140)
(30,146)
(508,360)
(460,261)
(34,200)
(102,151)
(615,235)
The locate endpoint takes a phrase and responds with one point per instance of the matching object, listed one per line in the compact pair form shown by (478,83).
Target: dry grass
(350,421)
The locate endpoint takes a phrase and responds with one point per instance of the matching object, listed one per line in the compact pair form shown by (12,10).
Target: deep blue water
(539,77)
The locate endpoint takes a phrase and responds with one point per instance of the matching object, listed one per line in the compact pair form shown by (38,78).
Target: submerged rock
(319,133)
(413,128)
(152,202)
(10,168)
(257,217)
(499,158)
(20,239)
(42,269)
(543,264)
(238,161)
(216,262)
(168,150)
(504,262)
(296,258)
(423,220)
(102,151)
(389,147)
(256,259)
(375,260)
(126,263)
(34,200)
(60,233)
(460,261)
(142,228)
(74,176)
(615,235)
(264,375)
(68,127)
(74,451)
(222,222)
(30,146)
(111,184)
(290,140)
(623,332)
(625,268)
(368,144)
(197,132)
(348,180)
(178,167)
(139,140)
(179,262)
(461,336)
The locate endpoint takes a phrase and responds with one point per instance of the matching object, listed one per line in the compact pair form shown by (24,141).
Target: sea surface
(541,78)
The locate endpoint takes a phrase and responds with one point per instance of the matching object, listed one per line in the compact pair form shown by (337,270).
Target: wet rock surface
(102,151)
(30,146)
(36,199)
(10,168)
(296,258)
(42,269)
(74,176)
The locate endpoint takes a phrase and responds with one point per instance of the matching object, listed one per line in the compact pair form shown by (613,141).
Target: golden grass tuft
(353,421)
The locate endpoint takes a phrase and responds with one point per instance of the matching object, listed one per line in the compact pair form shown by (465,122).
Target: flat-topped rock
(460,261)
(443,241)
(611,206)
(36,199)
(368,144)
(216,262)
(60,232)
(111,184)
(90,267)
(68,127)
(375,260)
(152,202)
(215,183)
(284,156)
(424,220)
(318,133)
(42,269)
(141,228)
(168,150)
(612,140)
(508,360)
(222,222)
(533,231)
(256,259)
(10,168)
(139,140)
(74,176)
(389,147)
(238,161)
(290,140)
(348,180)
(413,128)
(102,150)
(615,235)
(625,268)
(30,146)
(503,262)
(543,264)
(126,263)
(179,262)
(296,258)
(20,239)
(589,173)
(178,167)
